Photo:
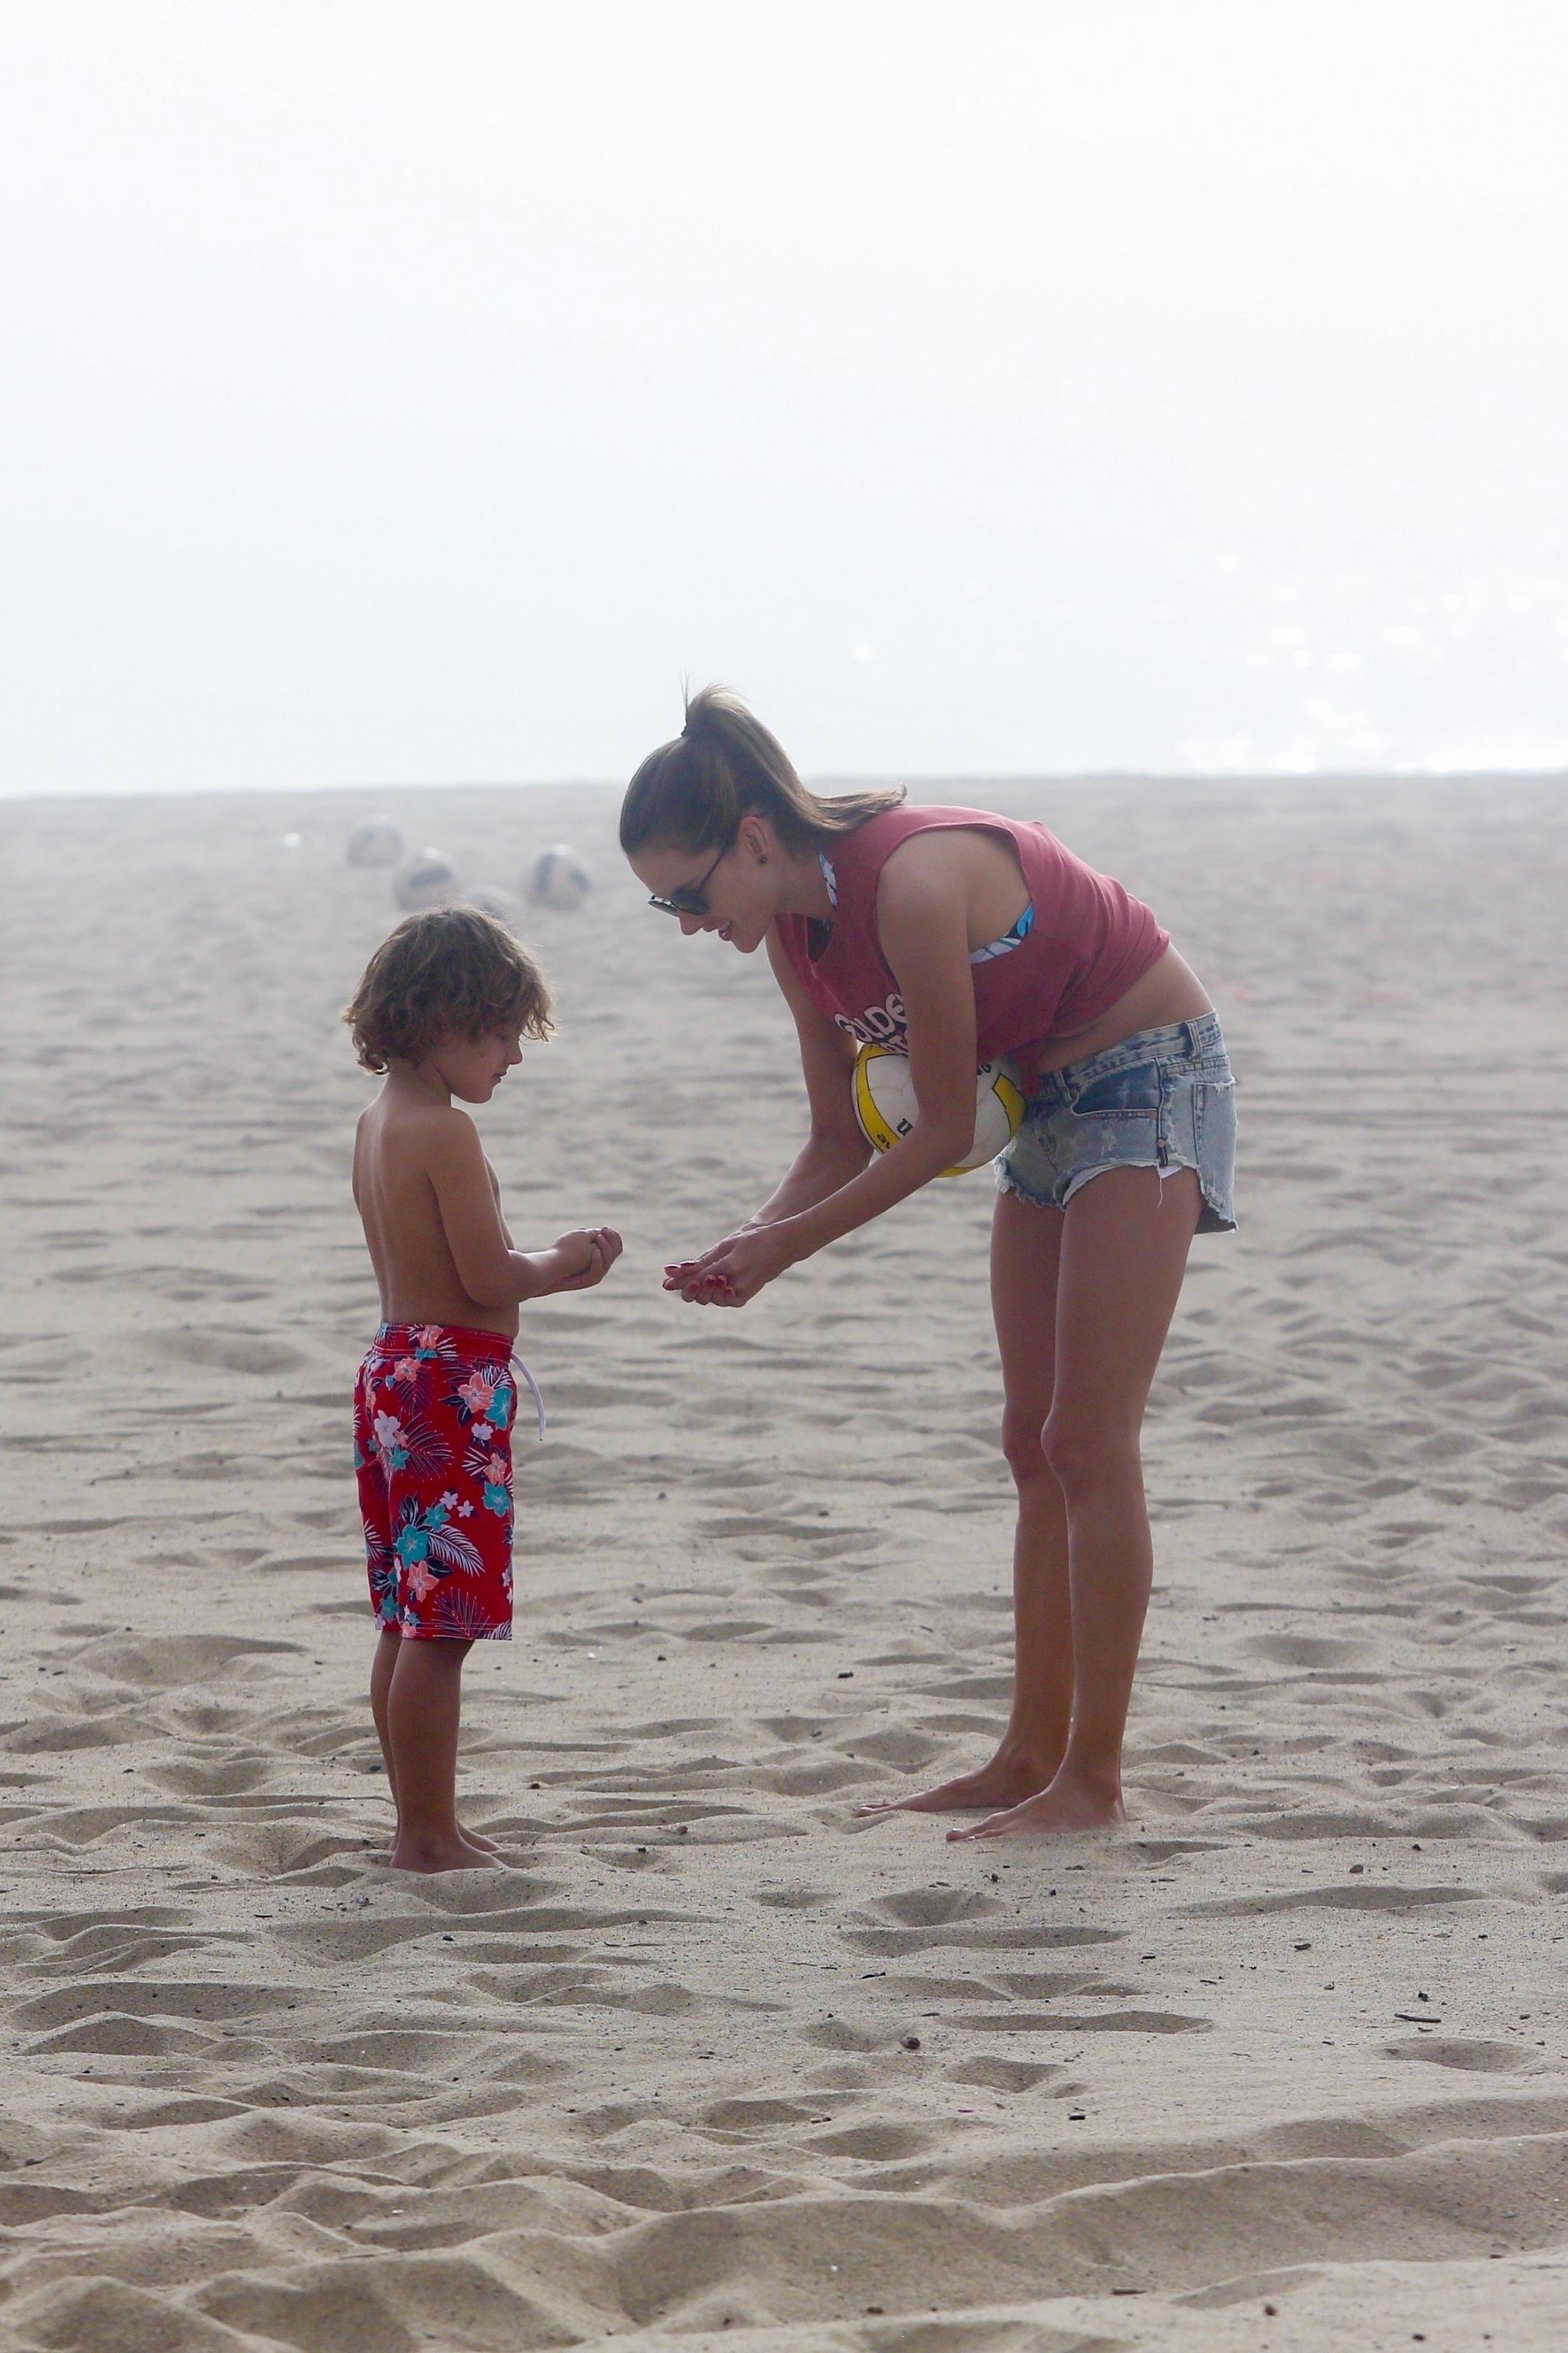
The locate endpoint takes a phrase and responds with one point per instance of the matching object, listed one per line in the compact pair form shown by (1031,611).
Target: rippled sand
(707,2056)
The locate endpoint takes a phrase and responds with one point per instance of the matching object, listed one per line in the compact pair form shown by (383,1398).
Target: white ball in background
(425,879)
(494,899)
(558,879)
(376,842)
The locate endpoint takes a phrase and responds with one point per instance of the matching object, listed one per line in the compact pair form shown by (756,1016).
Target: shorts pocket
(1131,1093)
(1214,1134)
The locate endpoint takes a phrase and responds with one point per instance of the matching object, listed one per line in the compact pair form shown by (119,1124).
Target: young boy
(444,1006)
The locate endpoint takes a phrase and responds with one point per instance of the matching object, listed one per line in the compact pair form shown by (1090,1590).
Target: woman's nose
(691,925)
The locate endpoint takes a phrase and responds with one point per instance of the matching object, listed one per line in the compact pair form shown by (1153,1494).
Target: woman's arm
(835,1150)
(923,925)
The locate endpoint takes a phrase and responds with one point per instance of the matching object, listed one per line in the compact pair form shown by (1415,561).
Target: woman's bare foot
(449,1852)
(1005,1782)
(1069,1804)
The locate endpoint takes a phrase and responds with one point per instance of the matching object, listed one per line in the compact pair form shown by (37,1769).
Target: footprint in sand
(880,2144)
(1475,2058)
(1367,1896)
(1064,2022)
(1005,2075)
(118,2035)
(191,2000)
(230,1777)
(933,1907)
(178,1658)
(1312,1650)
(280,1848)
(1044,1936)
(261,1353)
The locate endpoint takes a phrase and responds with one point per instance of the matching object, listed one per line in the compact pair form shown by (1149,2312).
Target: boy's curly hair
(448,968)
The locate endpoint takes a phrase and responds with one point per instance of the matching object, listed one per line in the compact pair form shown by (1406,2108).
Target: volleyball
(376,842)
(886,1108)
(425,879)
(493,899)
(558,879)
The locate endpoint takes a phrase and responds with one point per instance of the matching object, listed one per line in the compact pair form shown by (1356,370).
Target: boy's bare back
(430,1205)
(409,1153)
(442,1009)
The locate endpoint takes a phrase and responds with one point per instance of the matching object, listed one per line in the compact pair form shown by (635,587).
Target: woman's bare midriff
(1169,991)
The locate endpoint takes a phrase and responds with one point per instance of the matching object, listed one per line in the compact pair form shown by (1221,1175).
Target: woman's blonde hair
(693,792)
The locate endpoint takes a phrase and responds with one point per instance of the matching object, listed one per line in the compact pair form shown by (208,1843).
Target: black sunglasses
(689,898)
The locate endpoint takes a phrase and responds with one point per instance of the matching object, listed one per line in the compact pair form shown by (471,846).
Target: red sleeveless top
(1089,942)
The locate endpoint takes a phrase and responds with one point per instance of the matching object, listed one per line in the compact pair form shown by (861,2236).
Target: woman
(955,935)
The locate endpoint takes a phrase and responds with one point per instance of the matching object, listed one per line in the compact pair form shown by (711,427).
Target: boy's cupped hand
(589,1253)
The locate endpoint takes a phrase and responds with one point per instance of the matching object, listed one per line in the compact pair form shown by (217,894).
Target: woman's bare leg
(422,1712)
(1026,1251)
(1125,1238)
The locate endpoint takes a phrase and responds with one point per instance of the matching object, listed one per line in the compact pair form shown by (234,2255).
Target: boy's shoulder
(415,1129)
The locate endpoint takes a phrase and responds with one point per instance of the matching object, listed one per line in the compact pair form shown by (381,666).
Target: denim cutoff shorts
(1162,1098)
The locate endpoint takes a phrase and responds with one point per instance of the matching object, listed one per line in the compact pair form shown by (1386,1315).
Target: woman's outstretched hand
(734,1269)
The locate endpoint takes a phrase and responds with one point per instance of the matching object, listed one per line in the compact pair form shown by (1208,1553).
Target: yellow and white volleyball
(495,900)
(886,1108)
(376,842)
(425,879)
(557,878)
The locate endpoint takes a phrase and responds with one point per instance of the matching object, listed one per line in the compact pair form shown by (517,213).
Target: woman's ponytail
(693,792)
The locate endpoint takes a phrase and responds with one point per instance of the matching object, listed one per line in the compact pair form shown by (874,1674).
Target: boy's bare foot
(1005,1782)
(483,1847)
(448,1852)
(1075,1804)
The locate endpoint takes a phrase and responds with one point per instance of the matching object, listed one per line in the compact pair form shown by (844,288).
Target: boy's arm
(495,1196)
(488,1270)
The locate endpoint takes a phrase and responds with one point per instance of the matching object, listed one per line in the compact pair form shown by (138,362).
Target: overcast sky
(415,391)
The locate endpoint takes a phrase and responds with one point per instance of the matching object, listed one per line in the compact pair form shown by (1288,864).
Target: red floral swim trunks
(434,1406)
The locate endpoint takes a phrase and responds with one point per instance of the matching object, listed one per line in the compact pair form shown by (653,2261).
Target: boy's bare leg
(387,1651)
(381,1667)
(423,1705)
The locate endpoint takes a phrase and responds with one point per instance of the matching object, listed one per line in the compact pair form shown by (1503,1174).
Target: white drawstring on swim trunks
(533,1389)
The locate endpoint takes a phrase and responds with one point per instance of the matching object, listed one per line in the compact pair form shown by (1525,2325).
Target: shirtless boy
(444,1006)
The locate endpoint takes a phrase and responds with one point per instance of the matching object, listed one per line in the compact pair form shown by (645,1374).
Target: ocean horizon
(834,781)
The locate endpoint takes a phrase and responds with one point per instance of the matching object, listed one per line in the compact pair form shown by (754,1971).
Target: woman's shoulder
(879,836)
(869,848)
(919,817)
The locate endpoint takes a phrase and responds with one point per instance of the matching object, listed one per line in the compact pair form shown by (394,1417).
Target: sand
(1284,2066)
